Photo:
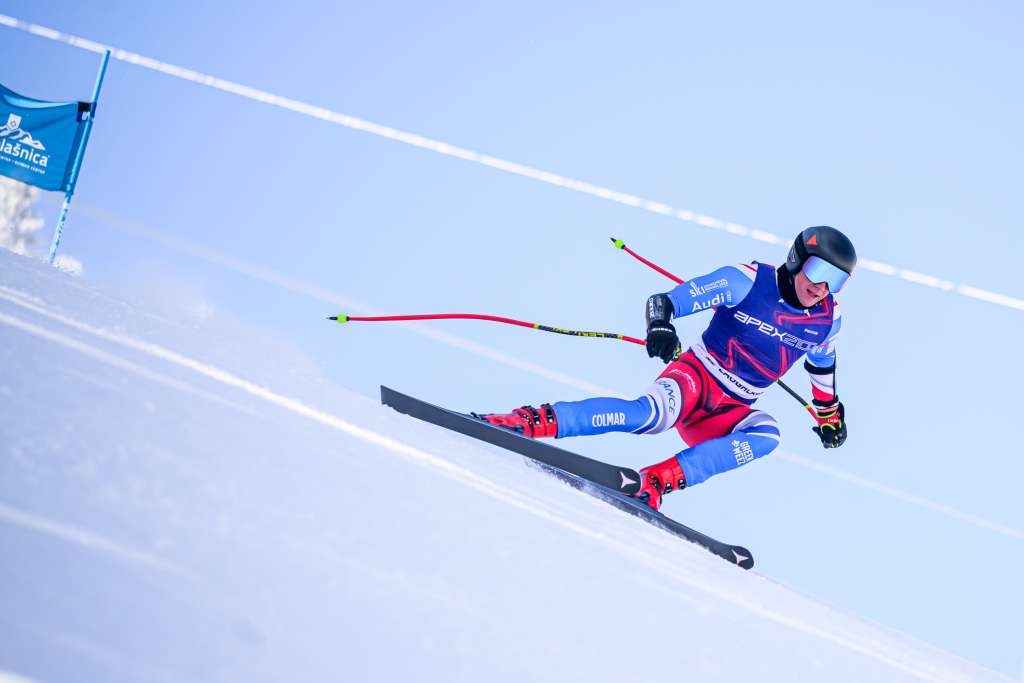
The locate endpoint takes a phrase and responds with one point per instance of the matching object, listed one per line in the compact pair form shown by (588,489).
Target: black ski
(609,483)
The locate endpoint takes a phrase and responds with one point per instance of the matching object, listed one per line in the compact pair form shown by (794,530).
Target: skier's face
(809,293)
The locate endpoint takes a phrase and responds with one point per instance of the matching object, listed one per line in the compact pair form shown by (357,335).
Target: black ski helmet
(826,243)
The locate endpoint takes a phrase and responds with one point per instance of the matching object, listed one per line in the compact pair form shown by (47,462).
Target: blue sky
(899,125)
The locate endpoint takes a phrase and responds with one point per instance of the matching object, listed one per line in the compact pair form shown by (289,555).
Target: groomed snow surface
(186,501)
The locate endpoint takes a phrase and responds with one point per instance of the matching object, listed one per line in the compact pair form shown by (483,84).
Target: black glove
(662,340)
(831,418)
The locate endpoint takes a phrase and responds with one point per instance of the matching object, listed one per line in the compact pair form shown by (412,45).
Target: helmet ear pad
(797,255)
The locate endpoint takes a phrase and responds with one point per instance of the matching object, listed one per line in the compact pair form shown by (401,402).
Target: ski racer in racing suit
(765,320)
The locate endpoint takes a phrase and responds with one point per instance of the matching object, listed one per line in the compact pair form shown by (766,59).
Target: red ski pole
(619,244)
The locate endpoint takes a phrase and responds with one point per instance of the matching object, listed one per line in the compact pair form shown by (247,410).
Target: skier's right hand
(662,340)
(831,419)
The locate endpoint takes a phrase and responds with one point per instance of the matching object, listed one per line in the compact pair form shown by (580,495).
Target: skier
(765,319)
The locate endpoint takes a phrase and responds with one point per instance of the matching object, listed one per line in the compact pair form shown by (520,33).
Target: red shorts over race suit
(708,412)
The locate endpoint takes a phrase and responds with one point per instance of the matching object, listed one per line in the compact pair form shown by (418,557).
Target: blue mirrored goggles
(819,270)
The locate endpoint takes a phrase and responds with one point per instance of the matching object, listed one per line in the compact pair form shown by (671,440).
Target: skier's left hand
(831,422)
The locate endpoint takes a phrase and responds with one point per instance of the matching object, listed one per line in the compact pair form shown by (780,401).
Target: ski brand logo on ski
(627,481)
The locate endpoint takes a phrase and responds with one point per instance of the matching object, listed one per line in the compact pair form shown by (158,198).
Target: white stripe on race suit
(824,383)
(755,420)
(767,435)
(654,413)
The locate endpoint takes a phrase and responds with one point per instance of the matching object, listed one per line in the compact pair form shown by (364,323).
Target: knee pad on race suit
(763,426)
(685,373)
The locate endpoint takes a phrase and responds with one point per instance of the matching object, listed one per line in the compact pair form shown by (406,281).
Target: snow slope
(184,499)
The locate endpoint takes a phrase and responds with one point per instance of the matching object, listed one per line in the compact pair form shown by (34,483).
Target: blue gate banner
(39,140)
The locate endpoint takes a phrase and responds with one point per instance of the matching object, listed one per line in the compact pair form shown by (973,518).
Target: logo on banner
(13,129)
(18,144)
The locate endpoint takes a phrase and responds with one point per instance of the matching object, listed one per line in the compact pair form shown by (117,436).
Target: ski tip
(619,244)
(341,318)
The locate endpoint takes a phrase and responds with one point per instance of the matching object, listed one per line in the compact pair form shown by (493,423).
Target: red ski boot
(659,480)
(528,421)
